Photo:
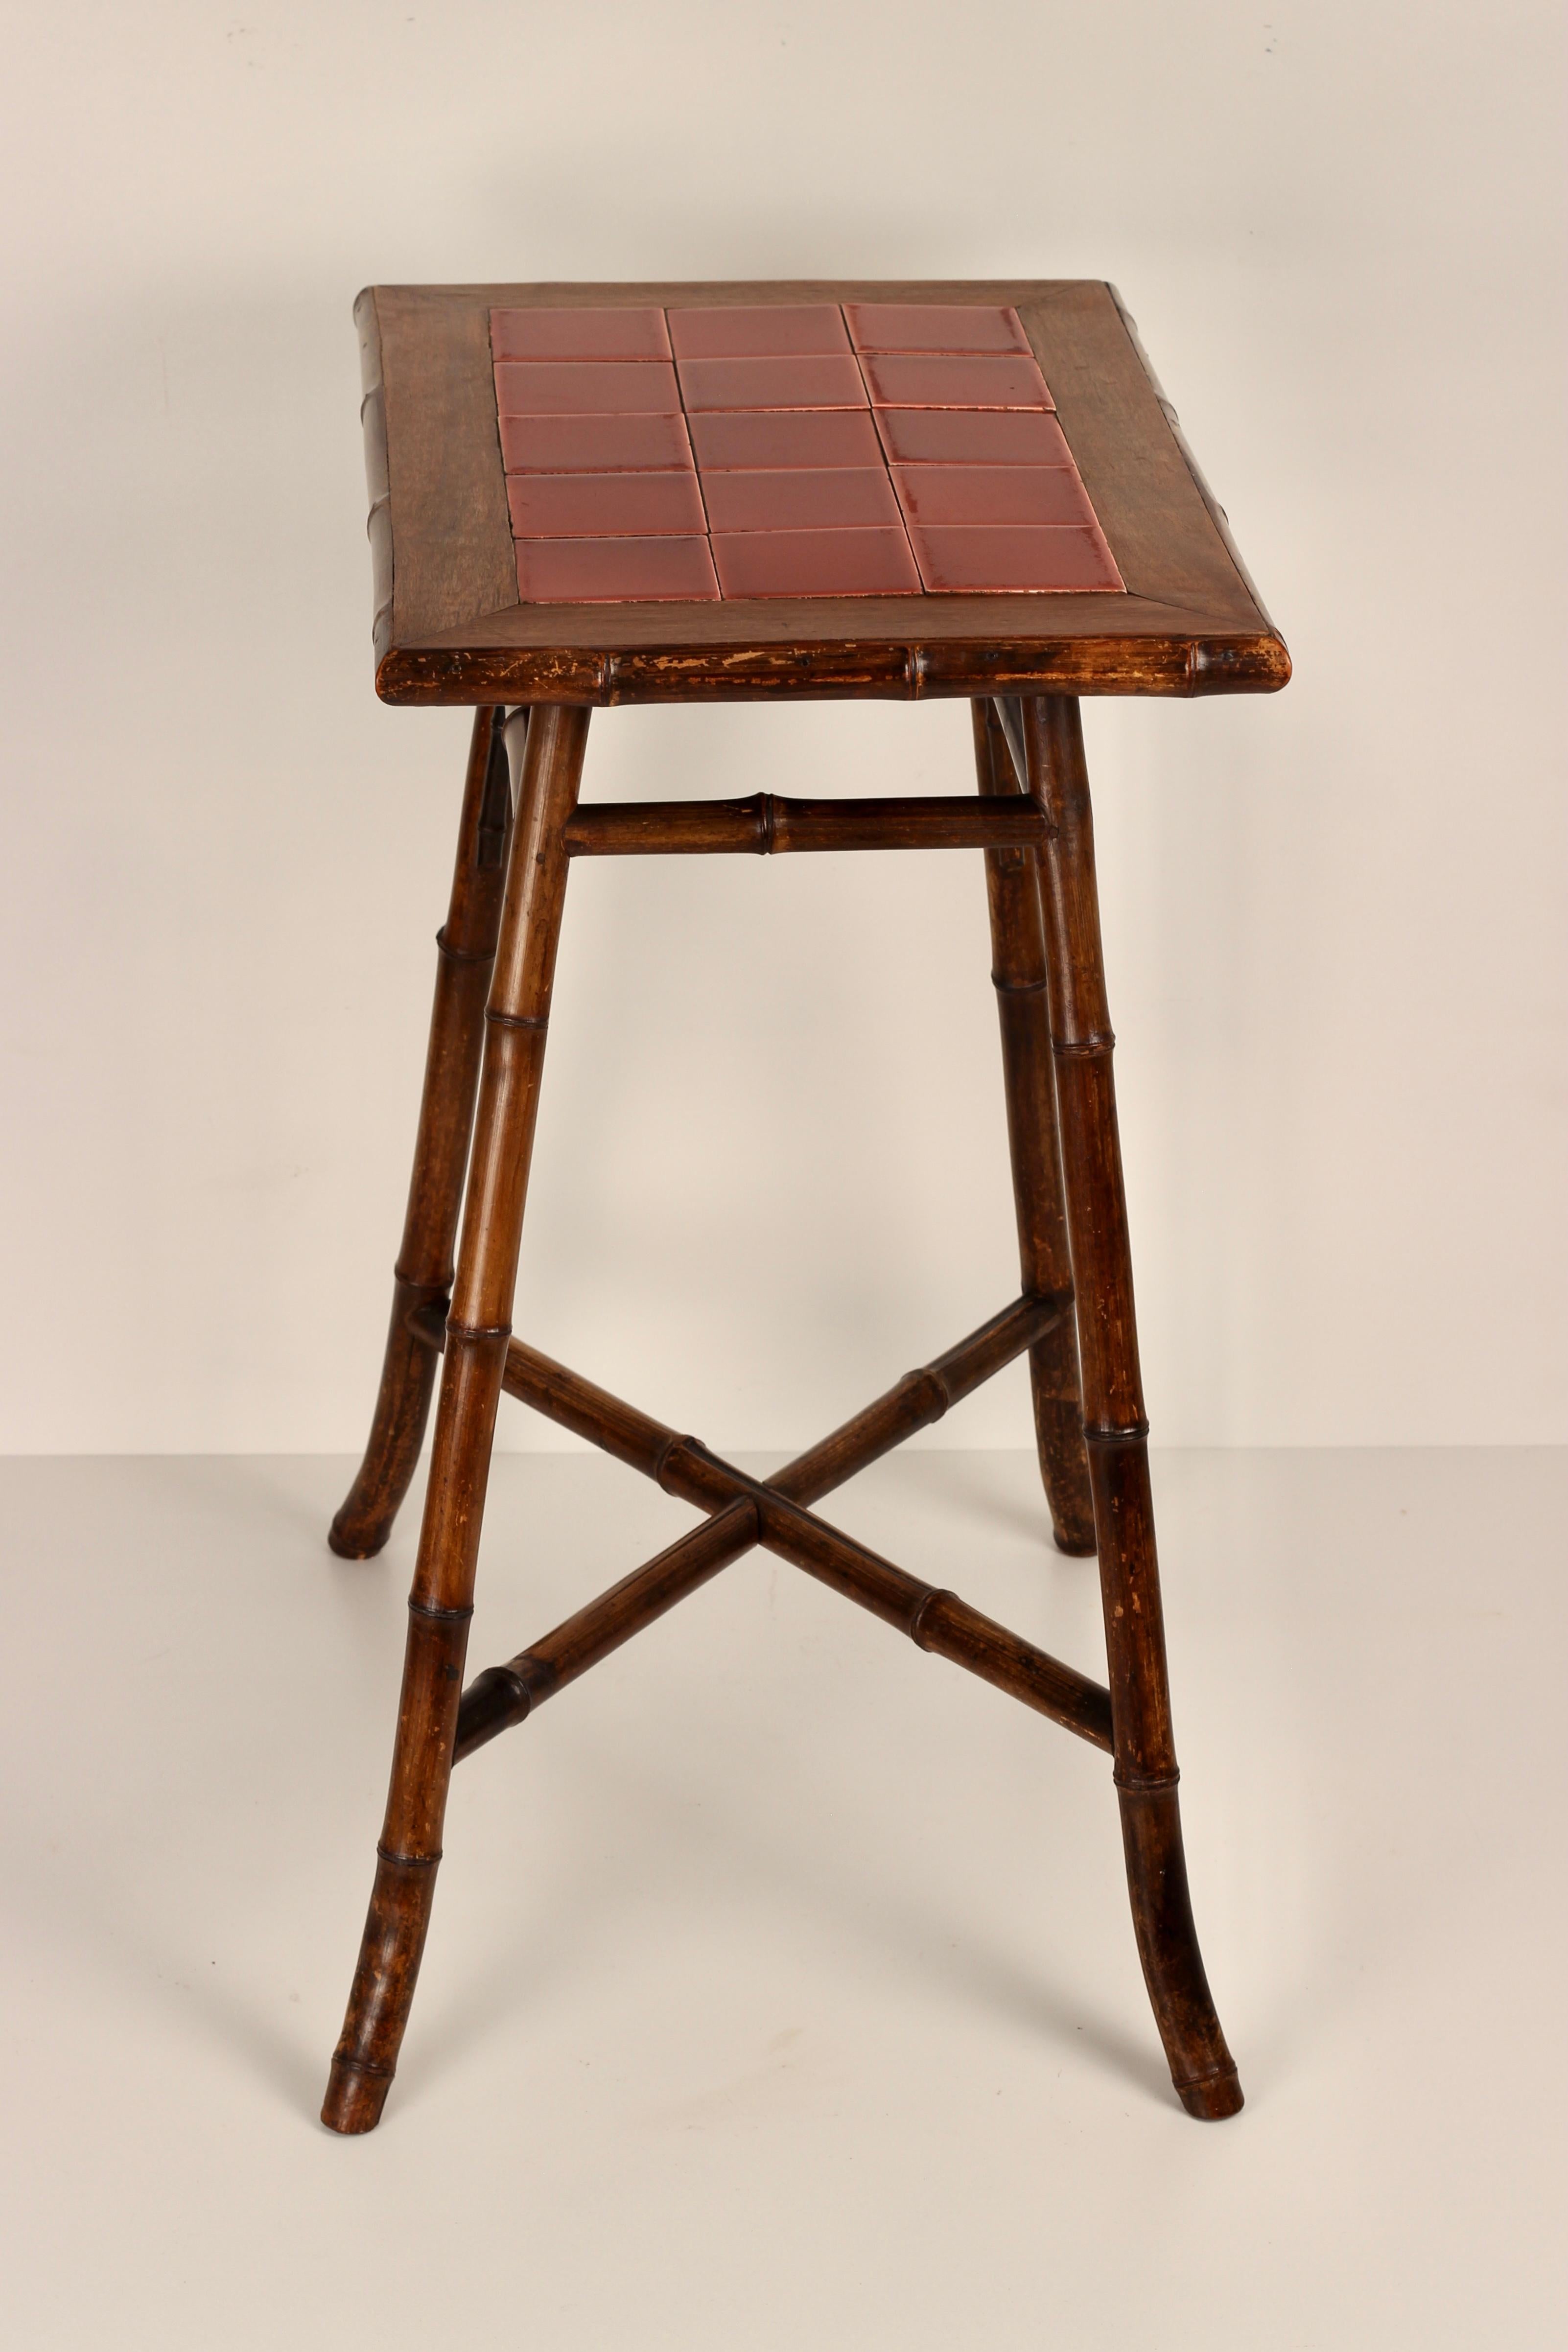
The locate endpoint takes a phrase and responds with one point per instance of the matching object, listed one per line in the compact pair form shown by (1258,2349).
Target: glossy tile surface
(972,436)
(992,494)
(585,387)
(772,458)
(614,571)
(765,331)
(605,506)
(592,335)
(957,559)
(762,439)
(929,380)
(800,499)
(833,381)
(933,327)
(593,444)
(816,563)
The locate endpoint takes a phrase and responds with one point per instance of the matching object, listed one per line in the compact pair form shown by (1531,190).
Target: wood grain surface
(454,631)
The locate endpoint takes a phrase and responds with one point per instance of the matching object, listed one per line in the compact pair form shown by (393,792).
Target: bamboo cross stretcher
(1073,1320)
(773,1513)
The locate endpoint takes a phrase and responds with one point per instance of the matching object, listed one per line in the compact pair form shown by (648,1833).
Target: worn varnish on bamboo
(449,627)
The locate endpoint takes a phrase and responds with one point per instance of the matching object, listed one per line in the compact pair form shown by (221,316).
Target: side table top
(597,494)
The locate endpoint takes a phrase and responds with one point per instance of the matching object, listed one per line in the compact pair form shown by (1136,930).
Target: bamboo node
(498,1699)
(538,1021)
(1137,1784)
(932,1595)
(430,1288)
(461,955)
(427,1322)
(437,1613)
(1127,1432)
(408,1861)
(534,1677)
(476,1331)
(1086,1048)
(1180,2083)
(673,1445)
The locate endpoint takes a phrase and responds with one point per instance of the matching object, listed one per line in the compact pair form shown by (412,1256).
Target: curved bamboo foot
(1058,1440)
(365,2059)
(479,1326)
(1202,2067)
(1115,1427)
(466,951)
(402,1409)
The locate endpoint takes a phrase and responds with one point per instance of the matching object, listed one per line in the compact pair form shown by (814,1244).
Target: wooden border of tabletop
(448,627)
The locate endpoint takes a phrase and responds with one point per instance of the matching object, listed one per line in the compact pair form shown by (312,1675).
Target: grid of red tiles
(879,449)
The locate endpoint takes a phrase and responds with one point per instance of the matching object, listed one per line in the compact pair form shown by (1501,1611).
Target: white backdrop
(771,1170)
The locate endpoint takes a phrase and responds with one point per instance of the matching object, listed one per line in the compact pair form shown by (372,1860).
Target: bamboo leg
(1201,2066)
(1018,969)
(477,1329)
(465,946)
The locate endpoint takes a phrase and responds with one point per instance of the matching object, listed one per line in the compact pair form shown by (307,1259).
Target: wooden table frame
(534,673)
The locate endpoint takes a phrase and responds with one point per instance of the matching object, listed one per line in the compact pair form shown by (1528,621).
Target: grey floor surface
(782,1991)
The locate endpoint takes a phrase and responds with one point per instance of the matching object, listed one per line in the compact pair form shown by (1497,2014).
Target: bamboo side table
(586,495)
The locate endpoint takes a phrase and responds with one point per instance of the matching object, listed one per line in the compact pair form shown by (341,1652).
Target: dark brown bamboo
(503,1696)
(466,950)
(1018,971)
(477,1328)
(768,825)
(913,1402)
(1201,2066)
(936,1620)
(921,1398)
(749,1511)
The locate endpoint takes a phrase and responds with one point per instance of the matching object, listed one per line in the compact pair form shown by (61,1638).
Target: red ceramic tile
(585,387)
(933,327)
(830,381)
(606,334)
(816,563)
(960,560)
(614,571)
(594,445)
(987,494)
(605,506)
(763,439)
(847,497)
(972,436)
(929,380)
(763,331)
